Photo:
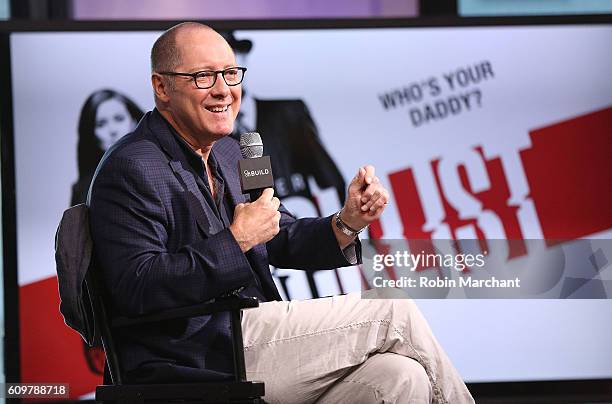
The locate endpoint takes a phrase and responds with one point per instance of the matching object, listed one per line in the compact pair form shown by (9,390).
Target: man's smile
(218,108)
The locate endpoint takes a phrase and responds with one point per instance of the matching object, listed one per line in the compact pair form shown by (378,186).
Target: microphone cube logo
(255,173)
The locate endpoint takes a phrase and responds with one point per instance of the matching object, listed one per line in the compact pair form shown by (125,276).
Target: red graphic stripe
(50,350)
(569,170)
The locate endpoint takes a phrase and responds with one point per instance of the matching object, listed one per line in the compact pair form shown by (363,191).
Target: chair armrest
(232,303)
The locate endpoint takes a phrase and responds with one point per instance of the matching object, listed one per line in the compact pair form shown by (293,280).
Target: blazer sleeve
(307,243)
(129,229)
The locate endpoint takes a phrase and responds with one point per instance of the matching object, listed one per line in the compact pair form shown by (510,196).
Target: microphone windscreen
(251,145)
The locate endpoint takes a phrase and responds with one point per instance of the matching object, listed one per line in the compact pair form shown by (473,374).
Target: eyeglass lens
(207,79)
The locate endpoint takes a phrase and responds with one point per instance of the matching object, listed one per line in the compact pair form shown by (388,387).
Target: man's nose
(220,88)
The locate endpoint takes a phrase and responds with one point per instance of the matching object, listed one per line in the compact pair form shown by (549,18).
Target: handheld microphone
(255,169)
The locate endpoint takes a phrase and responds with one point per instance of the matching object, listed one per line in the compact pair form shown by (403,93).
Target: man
(171,228)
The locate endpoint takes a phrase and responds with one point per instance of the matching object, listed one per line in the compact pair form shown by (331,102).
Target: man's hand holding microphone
(256,222)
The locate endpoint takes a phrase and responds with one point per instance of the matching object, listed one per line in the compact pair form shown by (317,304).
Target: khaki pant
(348,349)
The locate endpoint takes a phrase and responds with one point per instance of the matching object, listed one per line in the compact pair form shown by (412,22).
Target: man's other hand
(366,199)
(256,222)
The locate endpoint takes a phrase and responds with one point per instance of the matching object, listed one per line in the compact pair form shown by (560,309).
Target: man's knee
(397,378)
(416,384)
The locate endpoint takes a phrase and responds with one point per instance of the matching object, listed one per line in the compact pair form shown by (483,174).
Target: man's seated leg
(383,378)
(301,348)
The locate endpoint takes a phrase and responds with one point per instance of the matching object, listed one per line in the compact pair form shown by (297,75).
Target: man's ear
(160,88)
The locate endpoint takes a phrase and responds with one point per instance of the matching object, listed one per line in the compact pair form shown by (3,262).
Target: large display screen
(494,131)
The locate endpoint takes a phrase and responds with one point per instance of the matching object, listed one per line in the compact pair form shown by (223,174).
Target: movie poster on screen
(463,125)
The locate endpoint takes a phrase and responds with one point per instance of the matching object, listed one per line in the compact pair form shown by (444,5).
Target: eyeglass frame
(217,72)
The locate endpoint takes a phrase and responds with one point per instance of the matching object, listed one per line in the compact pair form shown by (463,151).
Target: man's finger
(369,174)
(372,200)
(379,204)
(359,178)
(369,191)
(267,195)
(376,212)
(382,202)
(378,208)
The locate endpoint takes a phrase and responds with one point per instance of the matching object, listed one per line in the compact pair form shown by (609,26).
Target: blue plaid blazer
(159,246)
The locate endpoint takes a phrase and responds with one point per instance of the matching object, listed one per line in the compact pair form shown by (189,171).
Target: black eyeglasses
(207,78)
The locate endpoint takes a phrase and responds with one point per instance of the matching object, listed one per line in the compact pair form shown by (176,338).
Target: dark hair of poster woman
(106,116)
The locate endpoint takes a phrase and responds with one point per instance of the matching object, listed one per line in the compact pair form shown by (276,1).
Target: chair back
(73,258)
(83,298)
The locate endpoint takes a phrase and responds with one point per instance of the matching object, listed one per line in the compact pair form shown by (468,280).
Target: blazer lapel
(206,220)
(230,177)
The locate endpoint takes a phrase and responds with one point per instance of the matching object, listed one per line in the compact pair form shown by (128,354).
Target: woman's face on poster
(112,122)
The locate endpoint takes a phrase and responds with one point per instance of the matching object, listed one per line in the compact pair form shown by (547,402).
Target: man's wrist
(347,229)
(242,243)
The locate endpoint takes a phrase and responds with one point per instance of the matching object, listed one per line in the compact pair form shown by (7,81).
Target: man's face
(204,114)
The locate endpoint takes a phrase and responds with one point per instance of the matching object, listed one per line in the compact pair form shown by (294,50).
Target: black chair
(84,307)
